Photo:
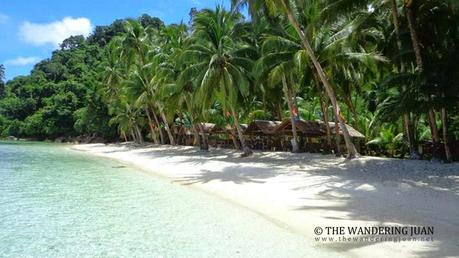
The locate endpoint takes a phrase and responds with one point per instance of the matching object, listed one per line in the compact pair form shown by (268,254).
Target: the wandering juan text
(381,230)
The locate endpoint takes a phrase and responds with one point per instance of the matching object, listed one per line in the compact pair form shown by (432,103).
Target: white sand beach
(303,191)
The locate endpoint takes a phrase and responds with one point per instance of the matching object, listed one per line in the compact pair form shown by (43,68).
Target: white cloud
(21,61)
(55,32)
(3,18)
(196,2)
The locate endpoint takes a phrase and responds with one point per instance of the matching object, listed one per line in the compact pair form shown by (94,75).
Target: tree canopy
(387,68)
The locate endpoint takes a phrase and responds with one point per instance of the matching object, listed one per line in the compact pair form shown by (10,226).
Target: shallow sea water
(57,202)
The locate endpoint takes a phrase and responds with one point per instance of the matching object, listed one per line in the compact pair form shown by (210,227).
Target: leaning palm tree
(284,7)
(128,120)
(218,63)
(137,54)
(278,66)
(167,45)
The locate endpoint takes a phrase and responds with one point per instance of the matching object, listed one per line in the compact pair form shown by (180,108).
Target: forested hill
(59,98)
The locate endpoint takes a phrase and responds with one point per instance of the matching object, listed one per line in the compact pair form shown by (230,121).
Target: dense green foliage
(385,67)
(60,97)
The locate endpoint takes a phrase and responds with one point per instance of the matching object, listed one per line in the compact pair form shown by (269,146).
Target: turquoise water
(57,202)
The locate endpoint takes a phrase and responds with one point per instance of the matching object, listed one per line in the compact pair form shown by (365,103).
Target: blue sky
(31,30)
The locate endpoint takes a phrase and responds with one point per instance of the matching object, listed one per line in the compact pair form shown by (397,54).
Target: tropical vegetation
(386,67)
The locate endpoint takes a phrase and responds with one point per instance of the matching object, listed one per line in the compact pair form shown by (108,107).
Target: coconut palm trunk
(139,133)
(323,106)
(337,138)
(124,136)
(325,119)
(410,136)
(444,119)
(396,23)
(433,126)
(234,139)
(193,126)
(288,97)
(407,125)
(420,67)
(204,143)
(134,138)
(152,129)
(352,151)
(414,37)
(435,135)
(195,132)
(166,125)
(247,151)
(161,134)
(195,135)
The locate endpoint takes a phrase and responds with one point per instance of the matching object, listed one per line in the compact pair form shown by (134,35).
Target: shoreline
(305,191)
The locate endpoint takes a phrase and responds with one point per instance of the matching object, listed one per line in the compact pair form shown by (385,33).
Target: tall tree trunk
(394,11)
(435,135)
(133,135)
(409,132)
(195,131)
(323,106)
(204,143)
(166,125)
(234,139)
(410,136)
(288,97)
(124,136)
(414,35)
(420,67)
(247,151)
(139,133)
(433,125)
(352,151)
(152,129)
(161,134)
(337,137)
(444,121)
(325,119)
(193,127)
(195,135)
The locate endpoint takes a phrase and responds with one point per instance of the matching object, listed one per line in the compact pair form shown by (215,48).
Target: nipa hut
(309,134)
(359,138)
(303,127)
(352,131)
(260,135)
(261,127)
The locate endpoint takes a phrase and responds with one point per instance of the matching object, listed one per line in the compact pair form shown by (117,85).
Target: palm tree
(336,8)
(170,44)
(137,54)
(220,67)
(285,7)
(278,66)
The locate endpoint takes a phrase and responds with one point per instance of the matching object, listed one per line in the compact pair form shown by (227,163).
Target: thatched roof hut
(227,129)
(352,131)
(206,127)
(307,128)
(218,129)
(260,127)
